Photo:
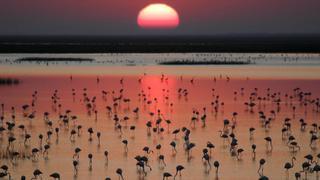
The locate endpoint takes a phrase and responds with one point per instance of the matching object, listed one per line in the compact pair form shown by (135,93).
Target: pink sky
(104,17)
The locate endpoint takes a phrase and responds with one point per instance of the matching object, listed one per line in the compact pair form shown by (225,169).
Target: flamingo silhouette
(75,167)
(106,154)
(173,145)
(175,132)
(120,173)
(141,165)
(269,142)
(36,173)
(261,163)
(190,146)
(288,165)
(216,164)
(254,147)
(297,175)
(239,151)
(166,175)
(76,153)
(46,150)
(210,146)
(161,159)
(263,178)
(98,135)
(125,142)
(206,157)
(90,156)
(179,168)
(6,173)
(90,131)
(55,176)
(251,130)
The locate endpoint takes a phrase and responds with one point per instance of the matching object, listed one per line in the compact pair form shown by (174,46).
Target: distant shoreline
(161,44)
(208,62)
(53,59)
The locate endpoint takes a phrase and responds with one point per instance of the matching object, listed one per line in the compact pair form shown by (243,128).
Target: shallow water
(265,66)
(42,79)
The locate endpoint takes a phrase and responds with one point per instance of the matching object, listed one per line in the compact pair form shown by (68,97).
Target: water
(46,79)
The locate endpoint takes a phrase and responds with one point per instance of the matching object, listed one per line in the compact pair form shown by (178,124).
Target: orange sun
(158,16)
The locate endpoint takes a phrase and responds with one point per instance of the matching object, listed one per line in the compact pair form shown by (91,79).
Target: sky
(197,17)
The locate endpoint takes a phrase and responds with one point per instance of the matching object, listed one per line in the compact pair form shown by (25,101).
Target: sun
(158,16)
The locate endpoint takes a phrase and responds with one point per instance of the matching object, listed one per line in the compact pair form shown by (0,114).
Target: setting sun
(157,16)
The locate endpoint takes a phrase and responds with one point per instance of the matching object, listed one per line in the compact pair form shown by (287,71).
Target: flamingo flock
(145,122)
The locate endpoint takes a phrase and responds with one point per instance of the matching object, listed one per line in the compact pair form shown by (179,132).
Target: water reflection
(183,101)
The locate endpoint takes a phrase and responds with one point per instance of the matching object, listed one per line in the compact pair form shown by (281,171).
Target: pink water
(180,113)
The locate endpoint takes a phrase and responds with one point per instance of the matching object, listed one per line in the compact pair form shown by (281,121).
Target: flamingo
(106,154)
(269,142)
(206,157)
(90,131)
(76,153)
(216,164)
(120,173)
(125,142)
(161,159)
(173,145)
(288,165)
(55,176)
(254,147)
(175,132)
(75,167)
(36,173)
(210,146)
(166,175)
(90,156)
(98,135)
(179,168)
(239,151)
(261,163)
